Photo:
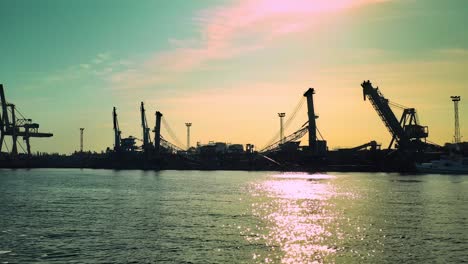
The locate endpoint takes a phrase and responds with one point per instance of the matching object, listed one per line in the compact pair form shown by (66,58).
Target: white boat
(445,165)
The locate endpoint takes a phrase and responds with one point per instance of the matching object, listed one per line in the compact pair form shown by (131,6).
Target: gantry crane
(15,127)
(128,144)
(406,133)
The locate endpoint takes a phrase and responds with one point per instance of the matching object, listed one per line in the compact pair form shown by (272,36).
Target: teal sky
(229,66)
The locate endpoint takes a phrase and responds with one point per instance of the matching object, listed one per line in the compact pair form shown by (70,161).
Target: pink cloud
(230,31)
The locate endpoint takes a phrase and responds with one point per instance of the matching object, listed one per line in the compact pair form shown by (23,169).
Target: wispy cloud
(100,65)
(230,31)
(453,52)
(101,57)
(85,66)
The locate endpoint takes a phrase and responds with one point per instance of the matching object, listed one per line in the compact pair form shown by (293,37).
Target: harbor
(233,131)
(303,150)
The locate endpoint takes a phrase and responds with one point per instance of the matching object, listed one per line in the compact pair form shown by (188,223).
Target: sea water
(106,216)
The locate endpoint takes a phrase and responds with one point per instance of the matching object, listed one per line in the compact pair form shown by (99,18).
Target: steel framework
(11,125)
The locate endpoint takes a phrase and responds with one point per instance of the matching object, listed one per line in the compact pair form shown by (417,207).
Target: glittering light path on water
(298,216)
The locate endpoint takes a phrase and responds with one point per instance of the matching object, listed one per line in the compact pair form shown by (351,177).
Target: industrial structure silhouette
(408,144)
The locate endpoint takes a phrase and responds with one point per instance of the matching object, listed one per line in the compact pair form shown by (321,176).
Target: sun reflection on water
(298,215)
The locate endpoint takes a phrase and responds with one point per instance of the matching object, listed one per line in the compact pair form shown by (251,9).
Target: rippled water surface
(104,216)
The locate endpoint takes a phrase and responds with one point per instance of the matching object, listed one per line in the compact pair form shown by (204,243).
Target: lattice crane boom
(293,137)
(406,132)
(169,146)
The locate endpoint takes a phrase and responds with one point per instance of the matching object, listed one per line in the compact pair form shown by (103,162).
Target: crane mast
(317,147)
(157,131)
(311,115)
(146,129)
(117,131)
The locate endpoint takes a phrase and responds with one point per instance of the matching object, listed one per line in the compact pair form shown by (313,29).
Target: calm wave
(104,216)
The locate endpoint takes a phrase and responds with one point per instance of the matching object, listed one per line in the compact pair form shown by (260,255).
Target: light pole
(457,136)
(188,134)
(81,139)
(281,116)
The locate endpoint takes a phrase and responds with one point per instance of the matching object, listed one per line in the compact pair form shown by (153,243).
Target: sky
(229,67)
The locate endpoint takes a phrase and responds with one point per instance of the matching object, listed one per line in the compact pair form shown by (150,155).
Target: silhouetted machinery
(287,141)
(129,144)
(317,146)
(15,127)
(117,132)
(372,146)
(407,132)
(147,145)
(122,144)
(157,132)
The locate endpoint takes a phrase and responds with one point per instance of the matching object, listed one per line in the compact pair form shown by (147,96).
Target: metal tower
(457,136)
(188,134)
(147,145)
(81,139)
(281,116)
(117,132)
(311,115)
(11,125)
(157,132)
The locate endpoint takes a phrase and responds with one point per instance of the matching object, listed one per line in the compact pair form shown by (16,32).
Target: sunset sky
(230,66)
